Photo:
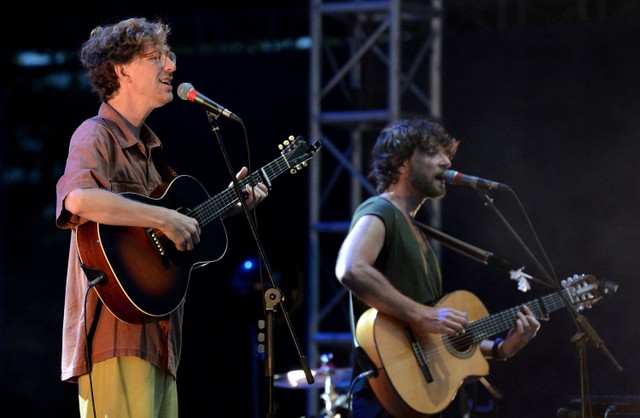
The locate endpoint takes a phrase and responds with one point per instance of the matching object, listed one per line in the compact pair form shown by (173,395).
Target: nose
(445,161)
(173,66)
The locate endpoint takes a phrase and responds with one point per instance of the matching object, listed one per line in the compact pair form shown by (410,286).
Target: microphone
(455,177)
(187,92)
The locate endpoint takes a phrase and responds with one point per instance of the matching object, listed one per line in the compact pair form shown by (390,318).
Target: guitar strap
(167,173)
(95,276)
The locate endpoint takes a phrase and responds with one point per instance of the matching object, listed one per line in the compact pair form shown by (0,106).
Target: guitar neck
(502,321)
(216,206)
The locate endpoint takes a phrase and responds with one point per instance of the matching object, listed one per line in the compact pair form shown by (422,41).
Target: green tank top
(412,271)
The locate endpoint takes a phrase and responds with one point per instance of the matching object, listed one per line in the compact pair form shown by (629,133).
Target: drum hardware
(326,377)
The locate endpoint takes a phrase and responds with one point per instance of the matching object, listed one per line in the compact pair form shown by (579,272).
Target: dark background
(549,109)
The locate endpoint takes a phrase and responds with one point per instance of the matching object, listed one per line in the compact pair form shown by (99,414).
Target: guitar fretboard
(489,326)
(216,206)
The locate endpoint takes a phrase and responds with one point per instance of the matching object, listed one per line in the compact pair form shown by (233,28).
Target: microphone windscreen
(183,90)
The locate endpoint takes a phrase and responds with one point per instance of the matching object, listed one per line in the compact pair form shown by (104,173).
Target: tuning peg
(572,279)
(609,287)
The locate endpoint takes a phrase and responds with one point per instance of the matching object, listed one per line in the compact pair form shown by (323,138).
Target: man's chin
(438,194)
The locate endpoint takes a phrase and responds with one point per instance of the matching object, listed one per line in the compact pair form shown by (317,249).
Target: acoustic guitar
(418,375)
(143,275)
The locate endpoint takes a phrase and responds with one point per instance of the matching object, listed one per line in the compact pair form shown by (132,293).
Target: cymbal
(296,379)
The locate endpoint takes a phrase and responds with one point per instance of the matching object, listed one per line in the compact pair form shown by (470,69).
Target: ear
(121,71)
(404,167)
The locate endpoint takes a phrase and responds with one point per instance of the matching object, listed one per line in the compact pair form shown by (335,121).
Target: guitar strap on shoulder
(162,165)
(167,173)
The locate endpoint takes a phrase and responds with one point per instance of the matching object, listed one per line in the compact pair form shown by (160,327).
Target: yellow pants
(127,387)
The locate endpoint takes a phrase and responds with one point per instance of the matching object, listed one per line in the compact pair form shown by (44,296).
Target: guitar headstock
(584,290)
(297,152)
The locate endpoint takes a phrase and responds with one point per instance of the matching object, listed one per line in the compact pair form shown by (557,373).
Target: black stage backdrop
(552,112)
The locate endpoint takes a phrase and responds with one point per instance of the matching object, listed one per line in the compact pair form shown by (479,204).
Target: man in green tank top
(394,279)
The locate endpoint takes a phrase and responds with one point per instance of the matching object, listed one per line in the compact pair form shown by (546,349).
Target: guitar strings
(214,207)
(466,342)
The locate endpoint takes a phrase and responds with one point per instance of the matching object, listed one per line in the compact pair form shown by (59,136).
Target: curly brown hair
(118,44)
(397,142)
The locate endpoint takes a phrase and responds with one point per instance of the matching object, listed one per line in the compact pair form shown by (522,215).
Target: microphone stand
(471,251)
(273,296)
(585,331)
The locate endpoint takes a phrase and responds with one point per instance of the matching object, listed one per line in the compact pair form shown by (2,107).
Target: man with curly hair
(387,264)
(123,369)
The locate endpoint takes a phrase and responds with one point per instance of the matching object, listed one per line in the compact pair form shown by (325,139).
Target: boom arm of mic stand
(581,322)
(470,251)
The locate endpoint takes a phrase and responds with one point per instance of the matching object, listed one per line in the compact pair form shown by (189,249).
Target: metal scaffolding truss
(372,62)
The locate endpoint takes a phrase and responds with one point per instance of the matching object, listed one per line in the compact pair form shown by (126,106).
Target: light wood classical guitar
(146,277)
(418,375)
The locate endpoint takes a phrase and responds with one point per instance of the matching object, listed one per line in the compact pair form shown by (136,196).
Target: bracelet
(495,349)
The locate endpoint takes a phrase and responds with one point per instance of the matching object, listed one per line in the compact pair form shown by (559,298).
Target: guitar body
(400,385)
(146,277)
(408,390)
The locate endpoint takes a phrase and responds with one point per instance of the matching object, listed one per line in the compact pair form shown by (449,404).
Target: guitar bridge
(156,241)
(419,354)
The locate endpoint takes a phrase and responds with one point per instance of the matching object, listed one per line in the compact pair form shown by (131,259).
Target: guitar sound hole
(460,345)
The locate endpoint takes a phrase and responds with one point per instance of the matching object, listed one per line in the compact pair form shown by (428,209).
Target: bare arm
(355,270)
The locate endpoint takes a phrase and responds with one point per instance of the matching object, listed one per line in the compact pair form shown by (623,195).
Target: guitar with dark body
(146,276)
